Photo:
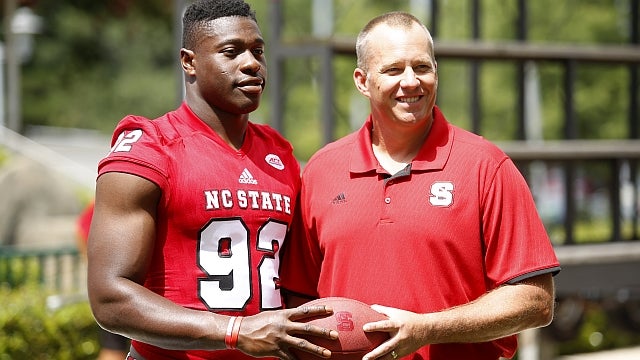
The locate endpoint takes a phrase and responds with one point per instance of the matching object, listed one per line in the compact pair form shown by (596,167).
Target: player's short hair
(202,11)
(399,19)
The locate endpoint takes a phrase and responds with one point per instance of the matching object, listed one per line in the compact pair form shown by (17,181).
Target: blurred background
(554,83)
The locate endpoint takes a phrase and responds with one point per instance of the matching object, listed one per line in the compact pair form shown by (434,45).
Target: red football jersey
(456,224)
(222,218)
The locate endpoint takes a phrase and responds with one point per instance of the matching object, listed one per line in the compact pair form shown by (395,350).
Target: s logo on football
(344,321)
(441,193)
(274,160)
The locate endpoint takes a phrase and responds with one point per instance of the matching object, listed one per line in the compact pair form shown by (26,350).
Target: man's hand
(402,327)
(272,333)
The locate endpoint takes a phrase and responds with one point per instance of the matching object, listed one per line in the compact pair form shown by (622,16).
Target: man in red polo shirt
(413,213)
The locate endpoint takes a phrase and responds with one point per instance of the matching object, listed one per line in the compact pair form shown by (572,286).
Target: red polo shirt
(457,223)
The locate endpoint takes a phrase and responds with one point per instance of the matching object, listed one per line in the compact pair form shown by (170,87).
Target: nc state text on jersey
(247,199)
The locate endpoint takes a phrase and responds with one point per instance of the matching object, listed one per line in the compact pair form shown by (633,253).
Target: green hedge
(602,329)
(28,330)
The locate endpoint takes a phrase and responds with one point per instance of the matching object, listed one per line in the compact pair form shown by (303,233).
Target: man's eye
(422,69)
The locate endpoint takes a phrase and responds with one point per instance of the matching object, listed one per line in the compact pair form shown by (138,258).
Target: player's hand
(272,333)
(402,326)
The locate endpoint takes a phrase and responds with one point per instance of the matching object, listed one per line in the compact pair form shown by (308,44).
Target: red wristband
(233,343)
(228,334)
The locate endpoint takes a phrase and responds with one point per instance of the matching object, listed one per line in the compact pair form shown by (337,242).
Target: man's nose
(409,78)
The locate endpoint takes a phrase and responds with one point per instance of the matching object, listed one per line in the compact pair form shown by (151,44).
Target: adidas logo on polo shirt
(339,199)
(247,178)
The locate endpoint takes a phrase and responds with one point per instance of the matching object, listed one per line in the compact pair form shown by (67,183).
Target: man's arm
(504,311)
(120,250)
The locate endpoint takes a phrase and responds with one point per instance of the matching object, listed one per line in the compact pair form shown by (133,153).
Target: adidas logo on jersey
(247,178)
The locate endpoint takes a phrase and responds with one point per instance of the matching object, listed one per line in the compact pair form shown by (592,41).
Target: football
(347,319)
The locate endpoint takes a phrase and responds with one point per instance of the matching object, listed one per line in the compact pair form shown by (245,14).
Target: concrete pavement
(632,353)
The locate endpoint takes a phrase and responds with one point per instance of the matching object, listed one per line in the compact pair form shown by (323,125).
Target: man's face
(230,65)
(401,79)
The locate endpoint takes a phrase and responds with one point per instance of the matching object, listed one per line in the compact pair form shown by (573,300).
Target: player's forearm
(505,311)
(140,314)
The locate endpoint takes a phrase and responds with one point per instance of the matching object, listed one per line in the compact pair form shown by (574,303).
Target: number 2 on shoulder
(125,140)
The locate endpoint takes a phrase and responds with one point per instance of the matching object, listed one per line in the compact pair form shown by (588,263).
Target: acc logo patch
(274,160)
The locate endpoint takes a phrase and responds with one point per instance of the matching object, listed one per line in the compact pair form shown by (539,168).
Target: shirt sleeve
(301,259)
(137,148)
(516,241)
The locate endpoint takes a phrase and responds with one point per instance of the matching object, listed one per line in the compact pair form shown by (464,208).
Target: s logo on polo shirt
(441,193)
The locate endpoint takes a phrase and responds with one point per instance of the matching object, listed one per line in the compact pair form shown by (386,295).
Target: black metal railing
(59,269)
(604,169)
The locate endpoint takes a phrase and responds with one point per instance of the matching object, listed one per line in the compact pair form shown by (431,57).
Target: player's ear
(188,61)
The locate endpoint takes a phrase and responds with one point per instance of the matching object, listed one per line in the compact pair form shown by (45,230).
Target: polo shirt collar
(432,156)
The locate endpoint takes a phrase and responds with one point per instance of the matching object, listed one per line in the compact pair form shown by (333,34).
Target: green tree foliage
(98,61)
(601,90)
